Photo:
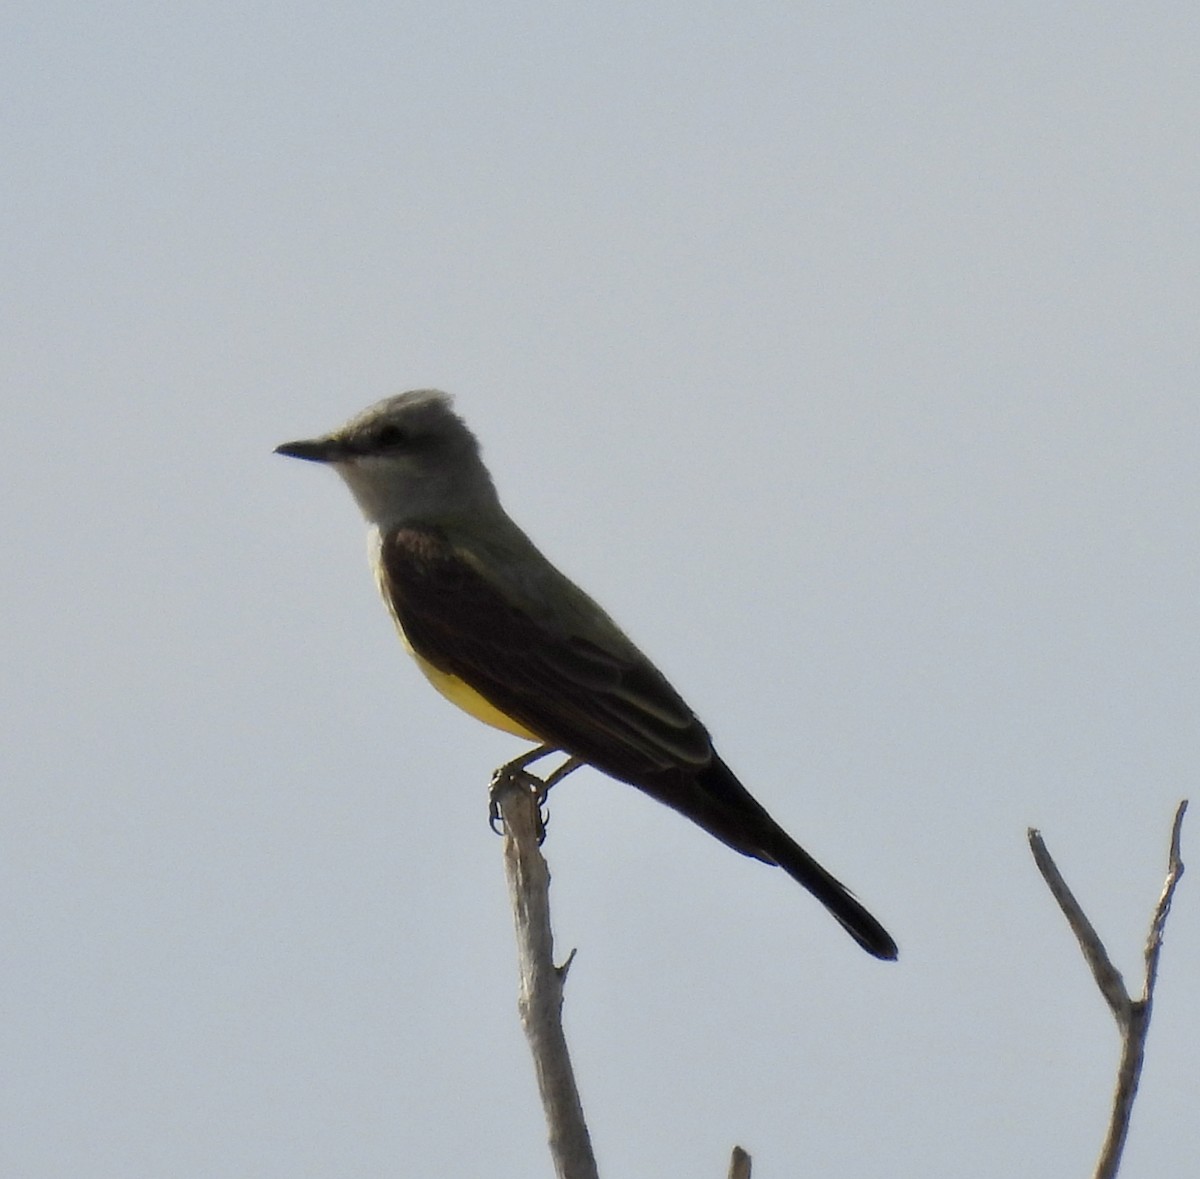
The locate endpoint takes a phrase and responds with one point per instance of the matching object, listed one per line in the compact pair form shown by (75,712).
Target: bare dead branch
(1132,1015)
(1157,925)
(739,1164)
(540,996)
(1108,977)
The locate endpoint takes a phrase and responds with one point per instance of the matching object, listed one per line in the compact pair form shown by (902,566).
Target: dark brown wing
(611,708)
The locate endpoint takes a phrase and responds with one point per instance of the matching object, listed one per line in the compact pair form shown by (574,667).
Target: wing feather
(604,703)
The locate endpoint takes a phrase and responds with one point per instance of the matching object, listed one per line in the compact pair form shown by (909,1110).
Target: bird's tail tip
(872,937)
(853,917)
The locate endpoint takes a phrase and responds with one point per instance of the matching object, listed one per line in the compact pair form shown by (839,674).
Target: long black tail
(723,806)
(834,895)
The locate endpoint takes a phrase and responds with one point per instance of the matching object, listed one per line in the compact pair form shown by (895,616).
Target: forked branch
(1132,1014)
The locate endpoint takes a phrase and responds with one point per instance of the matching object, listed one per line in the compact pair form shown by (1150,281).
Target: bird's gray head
(406,459)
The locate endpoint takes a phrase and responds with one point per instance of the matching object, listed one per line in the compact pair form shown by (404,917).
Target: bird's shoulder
(505,621)
(498,572)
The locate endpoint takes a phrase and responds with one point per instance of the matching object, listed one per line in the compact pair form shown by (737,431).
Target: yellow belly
(450,686)
(470,701)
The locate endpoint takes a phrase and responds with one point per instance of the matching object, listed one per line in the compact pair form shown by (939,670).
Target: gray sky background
(845,353)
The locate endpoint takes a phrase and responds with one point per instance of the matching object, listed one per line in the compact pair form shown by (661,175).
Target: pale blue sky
(845,353)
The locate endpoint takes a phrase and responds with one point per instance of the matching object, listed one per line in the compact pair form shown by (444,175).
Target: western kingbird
(504,635)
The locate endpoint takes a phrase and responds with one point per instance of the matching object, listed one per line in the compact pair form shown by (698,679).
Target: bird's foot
(505,779)
(515,774)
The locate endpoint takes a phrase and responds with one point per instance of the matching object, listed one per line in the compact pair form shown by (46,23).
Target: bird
(501,633)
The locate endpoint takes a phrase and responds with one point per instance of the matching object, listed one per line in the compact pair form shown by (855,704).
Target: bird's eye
(389,435)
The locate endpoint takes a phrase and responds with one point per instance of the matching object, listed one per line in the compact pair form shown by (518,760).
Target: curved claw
(516,773)
(513,775)
(495,822)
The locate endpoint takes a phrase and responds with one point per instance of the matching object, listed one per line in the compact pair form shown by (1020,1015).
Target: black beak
(315,450)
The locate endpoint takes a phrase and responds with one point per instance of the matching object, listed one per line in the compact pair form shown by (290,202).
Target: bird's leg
(572,763)
(510,769)
(515,771)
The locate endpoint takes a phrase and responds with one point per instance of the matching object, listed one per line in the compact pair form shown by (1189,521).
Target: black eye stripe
(389,436)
